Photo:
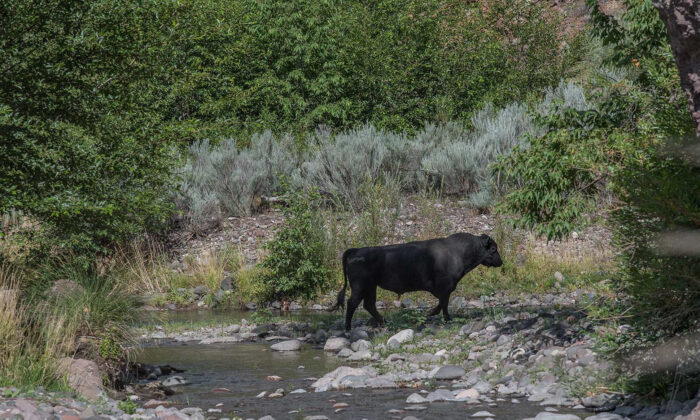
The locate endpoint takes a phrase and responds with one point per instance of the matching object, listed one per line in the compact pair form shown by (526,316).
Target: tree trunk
(682,20)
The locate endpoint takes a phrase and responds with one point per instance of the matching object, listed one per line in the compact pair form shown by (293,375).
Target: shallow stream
(243,368)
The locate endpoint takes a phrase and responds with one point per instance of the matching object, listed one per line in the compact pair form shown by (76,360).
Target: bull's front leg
(444,303)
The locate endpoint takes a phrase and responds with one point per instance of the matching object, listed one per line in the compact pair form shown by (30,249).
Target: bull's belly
(400,287)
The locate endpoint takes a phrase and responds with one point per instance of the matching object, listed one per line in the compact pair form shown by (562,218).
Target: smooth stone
(346,352)
(335,344)
(289,345)
(465,394)
(361,355)
(361,345)
(416,399)
(482,414)
(399,338)
(440,395)
(449,372)
(175,381)
(556,416)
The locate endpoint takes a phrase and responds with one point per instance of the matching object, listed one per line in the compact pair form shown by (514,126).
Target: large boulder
(83,376)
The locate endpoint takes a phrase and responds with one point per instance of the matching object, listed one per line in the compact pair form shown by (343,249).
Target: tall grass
(29,349)
(88,316)
(526,270)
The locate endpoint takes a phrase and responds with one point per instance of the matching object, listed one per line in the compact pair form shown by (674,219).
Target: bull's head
(491,257)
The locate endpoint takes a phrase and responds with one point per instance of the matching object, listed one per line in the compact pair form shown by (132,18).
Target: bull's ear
(485,240)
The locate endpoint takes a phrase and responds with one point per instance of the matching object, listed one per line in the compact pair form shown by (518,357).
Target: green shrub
(296,264)
(83,148)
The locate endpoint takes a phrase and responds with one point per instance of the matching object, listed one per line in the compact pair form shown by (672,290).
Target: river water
(243,368)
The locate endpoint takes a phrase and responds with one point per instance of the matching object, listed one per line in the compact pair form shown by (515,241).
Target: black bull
(436,266)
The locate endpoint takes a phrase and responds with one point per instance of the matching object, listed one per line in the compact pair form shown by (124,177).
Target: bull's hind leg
(370,304)
(353,303)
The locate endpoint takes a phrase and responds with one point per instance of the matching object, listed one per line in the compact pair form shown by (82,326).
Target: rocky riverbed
(501,357)
(540,350)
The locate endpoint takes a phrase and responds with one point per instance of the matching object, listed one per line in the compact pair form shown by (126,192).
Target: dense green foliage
(629,148)
(294,65)
(556,179)
(82,147)
(98,96)
(296,266)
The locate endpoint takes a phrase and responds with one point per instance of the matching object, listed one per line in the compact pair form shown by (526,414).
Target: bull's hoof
(375,323)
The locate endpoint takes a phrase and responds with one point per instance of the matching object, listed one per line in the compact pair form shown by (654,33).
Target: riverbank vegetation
(123,122)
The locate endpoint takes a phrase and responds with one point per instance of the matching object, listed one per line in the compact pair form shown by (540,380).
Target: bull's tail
(340,303)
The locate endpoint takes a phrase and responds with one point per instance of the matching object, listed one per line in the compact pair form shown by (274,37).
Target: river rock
(557,401)
(449,372)
(352,381)
(360,345)
(384,381)
(226,283)
(611,416)
(335,344)
(332,379)
(266,418)
(277,394)
(554,416)
(399,338)
(83,376)
(482,387)
(440,395)
(416,399)
(358,334)
(288,345)
(466,394)
(361,355)
(595,401)
(346,352)
(482,414)
(175,381)
(251,306)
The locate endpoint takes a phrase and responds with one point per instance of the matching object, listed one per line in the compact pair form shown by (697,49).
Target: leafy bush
(664,196)
(555,181)
(627,142)
(84,151)
(296,264)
